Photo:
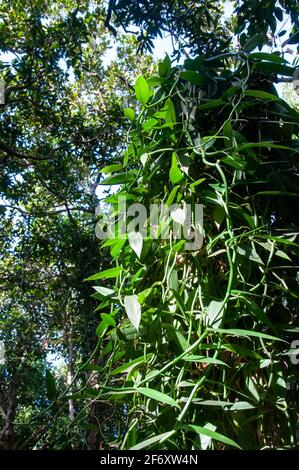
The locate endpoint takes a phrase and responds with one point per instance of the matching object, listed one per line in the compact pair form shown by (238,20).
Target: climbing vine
(195,345)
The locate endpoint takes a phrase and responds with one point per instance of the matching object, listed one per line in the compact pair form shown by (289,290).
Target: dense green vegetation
(176,348)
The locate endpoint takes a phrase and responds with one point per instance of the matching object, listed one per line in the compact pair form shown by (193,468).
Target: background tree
(61,121)
(197,342)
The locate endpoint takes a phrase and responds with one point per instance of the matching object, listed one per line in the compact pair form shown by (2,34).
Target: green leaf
(205,441)
(252,388)
(136,242)
(108,274)
(212,434)
(164,68)
(102,326)
(175,173)
(241,351)
(167,63)
(271,67)
(249,253)
(238,332)
(129,365)
(268,145)
(133,309)
(218,215)
(120,178)
(170,116)
(196,183)
(158,396)
(204,360)
(236,163)
(130,114)
(241,405)
(210,104)
(152,440)
(144,158)
(142,90)
(193,77)
(215,313)
(258,40)
(116,249)
(261,94)
(105,291)
(111,168)
(108,319)
(171,196)
(268,57)
(150,123)
(51,386)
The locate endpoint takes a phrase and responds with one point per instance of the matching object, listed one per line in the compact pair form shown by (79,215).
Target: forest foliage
(176,348)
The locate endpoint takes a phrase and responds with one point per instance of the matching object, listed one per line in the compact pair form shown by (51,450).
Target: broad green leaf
(193,77)
(142,90)
(158,396)
(205,441)
(167,63)
(241,351)
(237,163)
(228,133)
(170,116)
(133,309)
(111,168)
(150,123)
(116,249)
(196,183)
(171,196)
(179,215)
(252,388)
(136,242)
(249,252)
(129,365)
(175,173)
(214,313)
(261,94)
(144,158)
(120,178)
(258,40)
(130,114)
(239,332)
(241,405)
(108,319)
(210,104)
(267,57)
(204,360)
(271,67)
(102,326)
(212,434)
(152,440)
(104,291)
(164,68)
(218,215)
(107,274)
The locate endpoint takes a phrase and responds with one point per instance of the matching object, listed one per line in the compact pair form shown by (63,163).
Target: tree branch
(14,153)
(108,18)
